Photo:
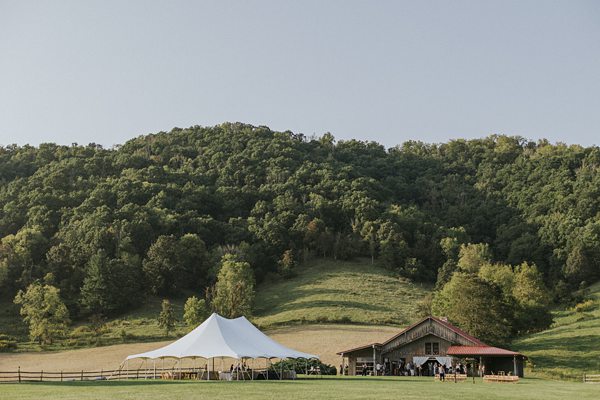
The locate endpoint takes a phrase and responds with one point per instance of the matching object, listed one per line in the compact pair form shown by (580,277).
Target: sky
(390,71)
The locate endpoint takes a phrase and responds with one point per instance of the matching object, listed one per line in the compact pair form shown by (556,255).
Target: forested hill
(155,214)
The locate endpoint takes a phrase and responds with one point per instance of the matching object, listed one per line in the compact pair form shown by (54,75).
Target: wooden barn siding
(427,327)
(367,353)
(417,348)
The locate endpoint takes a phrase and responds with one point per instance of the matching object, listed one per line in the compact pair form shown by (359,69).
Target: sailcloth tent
(223,337)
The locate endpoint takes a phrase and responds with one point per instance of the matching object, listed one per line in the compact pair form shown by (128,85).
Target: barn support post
(374,360)
(515,365)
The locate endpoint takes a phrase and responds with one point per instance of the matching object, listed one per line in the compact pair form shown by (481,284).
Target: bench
(451,377)
(501,378)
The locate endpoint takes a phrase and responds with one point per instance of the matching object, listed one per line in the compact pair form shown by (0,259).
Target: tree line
(156,215)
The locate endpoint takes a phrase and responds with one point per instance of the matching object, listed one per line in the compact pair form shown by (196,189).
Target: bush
(587,305)
(301,365)
(7,343)
(81,332)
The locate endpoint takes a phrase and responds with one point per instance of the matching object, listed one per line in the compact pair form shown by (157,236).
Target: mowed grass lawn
(347,388)
(570,348)
(339,291)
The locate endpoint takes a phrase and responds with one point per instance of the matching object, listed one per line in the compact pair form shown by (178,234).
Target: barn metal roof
(480,351)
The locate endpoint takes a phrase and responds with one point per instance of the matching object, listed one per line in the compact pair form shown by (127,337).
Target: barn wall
(417,348)
(426,327)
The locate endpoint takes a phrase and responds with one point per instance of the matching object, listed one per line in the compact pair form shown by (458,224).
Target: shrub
(300,366)
(81,332)
(7,343)
(587,305)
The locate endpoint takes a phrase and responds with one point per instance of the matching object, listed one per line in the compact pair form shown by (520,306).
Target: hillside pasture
(323,340)
(325,291)
(571,347)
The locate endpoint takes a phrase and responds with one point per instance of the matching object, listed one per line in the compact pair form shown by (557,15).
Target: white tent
(222,337)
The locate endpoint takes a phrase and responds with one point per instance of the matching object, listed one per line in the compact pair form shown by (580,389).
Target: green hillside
(339,291)
(571,347)
(322,291)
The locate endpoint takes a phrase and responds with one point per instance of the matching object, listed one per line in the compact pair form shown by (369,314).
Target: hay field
(323,340)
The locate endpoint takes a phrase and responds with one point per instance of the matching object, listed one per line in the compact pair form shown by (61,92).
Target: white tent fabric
(446,361)
(223,337)
(420,360)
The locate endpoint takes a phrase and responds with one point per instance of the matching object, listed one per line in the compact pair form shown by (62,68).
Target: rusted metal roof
(367,346)
(480,351)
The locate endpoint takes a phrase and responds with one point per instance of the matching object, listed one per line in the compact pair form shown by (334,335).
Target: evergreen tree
(166,318)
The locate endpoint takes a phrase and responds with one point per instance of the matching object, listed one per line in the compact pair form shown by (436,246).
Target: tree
(286,264)
(194,311)
(475,306)
(473,256)
(233,293)
(43,310)
(161,265)
(166,318)
(110,285)
(192,260)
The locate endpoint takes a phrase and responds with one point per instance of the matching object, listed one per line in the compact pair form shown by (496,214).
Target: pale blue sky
(107,71)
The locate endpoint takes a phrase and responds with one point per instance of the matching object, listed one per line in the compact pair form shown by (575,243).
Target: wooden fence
(19,375)
(591,378)
(141,373)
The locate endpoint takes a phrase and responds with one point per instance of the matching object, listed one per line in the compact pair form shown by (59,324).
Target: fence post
(583,378)
(61,376)
(19,372)
(137,374)
(41,375)
(82,375)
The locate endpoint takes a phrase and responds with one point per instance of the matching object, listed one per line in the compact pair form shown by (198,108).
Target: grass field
(323,291)
(339,291)
(571,347)
(381,388)
(323,340)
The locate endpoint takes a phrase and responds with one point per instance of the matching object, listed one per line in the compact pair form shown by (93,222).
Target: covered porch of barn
(491,360)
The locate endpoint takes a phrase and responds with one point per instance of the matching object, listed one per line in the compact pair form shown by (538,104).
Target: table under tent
(213,342)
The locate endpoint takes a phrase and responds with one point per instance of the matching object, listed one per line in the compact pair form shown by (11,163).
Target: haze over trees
(155,215)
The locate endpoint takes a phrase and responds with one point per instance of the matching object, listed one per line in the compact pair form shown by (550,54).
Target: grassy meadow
(326,291)
(347,388)
(323,292)
(571,347)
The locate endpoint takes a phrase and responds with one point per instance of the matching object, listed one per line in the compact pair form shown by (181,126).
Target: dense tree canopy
(160,209)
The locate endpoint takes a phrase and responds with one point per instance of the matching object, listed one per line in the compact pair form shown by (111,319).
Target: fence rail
(151,373)
(591,378)
(120,374)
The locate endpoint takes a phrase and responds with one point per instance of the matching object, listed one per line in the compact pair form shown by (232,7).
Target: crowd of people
(408,369)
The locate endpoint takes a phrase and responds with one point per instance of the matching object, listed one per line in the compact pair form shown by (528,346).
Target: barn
(431,341)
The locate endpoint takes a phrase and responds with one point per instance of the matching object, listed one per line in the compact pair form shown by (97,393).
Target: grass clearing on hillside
(339,291)
(323,340)
(347,388)
(571,347)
